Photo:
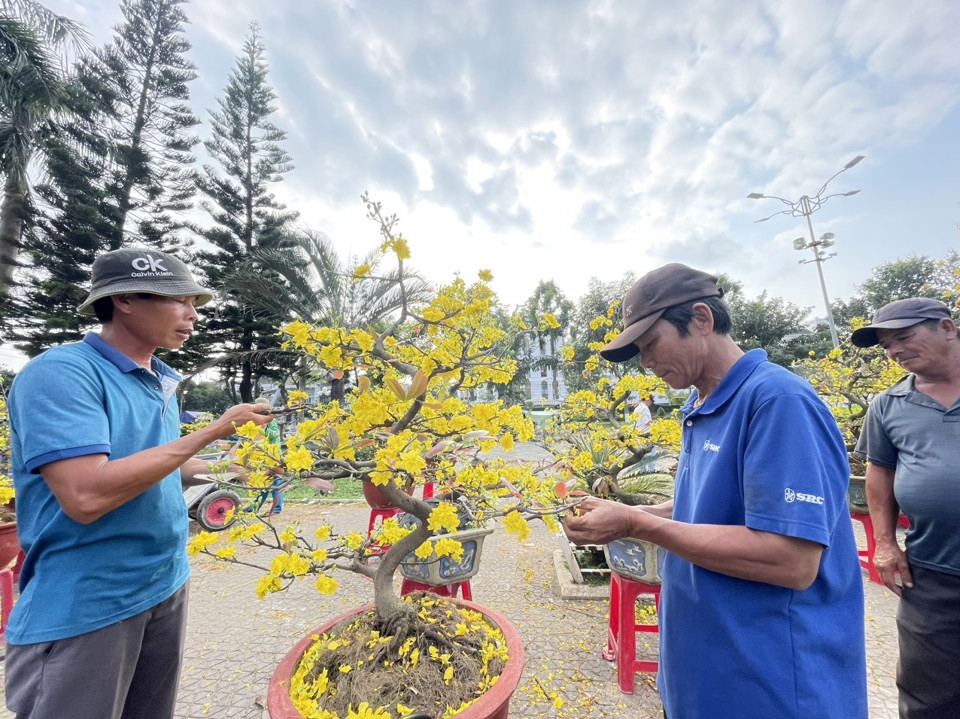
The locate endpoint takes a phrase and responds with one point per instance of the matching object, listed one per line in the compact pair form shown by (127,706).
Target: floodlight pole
(805,207)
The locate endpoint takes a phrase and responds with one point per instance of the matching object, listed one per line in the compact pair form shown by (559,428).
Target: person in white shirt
(641,417)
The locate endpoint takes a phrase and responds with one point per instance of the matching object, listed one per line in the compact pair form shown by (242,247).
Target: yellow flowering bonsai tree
(847,378)
(403,424)
(595,444)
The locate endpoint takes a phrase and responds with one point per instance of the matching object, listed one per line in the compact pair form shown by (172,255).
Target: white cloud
(573,139)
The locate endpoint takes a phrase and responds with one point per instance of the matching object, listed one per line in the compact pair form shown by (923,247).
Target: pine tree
(249,159)
(60,243)
(145,75)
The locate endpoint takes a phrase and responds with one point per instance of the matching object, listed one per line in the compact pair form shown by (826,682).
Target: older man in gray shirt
(912,443)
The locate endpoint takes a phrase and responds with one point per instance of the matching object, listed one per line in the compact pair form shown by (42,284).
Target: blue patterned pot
(857,495)
(438,572)
(634,559)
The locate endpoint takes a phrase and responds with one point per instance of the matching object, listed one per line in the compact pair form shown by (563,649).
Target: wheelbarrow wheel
(214,511)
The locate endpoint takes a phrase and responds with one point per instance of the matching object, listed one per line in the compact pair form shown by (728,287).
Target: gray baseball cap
(140,269)
(897,315)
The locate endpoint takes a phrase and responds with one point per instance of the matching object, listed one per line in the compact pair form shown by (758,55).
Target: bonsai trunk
(390,608)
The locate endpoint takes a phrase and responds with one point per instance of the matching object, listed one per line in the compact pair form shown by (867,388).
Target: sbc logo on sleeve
(790,496)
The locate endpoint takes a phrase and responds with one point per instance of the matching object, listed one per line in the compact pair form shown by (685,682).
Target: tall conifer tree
(236,190)
(145,74)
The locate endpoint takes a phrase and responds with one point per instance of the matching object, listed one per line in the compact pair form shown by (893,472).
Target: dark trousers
(128,670)
(928,622)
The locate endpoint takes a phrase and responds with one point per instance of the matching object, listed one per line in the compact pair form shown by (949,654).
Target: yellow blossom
(267,584)
(297,396)
(424,551)
(353,540)
(326,584)
(446,547)
(249,430)
(201,542)
(432,314)
(514,523)
(443,517)
(485,275)
(365,711)
(299,460)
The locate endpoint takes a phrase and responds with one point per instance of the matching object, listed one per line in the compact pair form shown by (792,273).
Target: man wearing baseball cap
(761,608)
(98,630)
(911,439)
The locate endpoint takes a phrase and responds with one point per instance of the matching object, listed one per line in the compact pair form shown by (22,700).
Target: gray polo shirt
(917,436)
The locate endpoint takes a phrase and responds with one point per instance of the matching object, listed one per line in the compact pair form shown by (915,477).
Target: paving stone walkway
(235,641)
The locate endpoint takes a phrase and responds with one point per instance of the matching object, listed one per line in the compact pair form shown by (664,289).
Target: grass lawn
(345,489)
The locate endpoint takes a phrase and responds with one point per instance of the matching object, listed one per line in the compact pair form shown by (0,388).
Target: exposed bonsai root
(429,659)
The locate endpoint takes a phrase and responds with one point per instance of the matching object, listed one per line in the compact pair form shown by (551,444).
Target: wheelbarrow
(211,506)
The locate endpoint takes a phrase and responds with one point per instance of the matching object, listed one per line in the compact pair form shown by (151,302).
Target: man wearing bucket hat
(760,573)
(911,439)
(98,630)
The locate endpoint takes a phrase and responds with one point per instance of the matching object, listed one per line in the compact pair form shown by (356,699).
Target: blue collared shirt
(763,452)
(81,399)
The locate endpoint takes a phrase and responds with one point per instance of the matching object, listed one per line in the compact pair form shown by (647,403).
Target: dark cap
(897,315)
(141,270)
(653,294)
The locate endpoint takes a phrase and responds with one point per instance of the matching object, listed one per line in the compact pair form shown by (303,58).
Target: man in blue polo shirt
(761,610)
(98,629)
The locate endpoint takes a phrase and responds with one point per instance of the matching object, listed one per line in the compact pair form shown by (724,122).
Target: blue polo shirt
(80,399)
(764,452)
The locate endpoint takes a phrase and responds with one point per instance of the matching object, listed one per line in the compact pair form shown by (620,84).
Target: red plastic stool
(866,555)
(18,565)
(6,599)
(621,635)
(380,515)
(447,590)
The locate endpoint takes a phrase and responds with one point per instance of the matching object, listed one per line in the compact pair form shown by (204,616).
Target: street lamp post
(805,207)
(826,240)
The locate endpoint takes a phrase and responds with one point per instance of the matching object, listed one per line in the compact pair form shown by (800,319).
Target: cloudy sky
(567,140)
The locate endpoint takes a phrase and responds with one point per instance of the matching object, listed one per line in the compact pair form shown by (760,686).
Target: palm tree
(32,92)
(310,280)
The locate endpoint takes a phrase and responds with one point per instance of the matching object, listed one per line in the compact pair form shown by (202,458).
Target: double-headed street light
(804,207)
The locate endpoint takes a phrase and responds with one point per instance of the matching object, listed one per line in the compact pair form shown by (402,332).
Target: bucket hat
(141,270)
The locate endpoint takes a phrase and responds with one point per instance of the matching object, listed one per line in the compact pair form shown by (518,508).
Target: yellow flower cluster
(847,379)
(443,518)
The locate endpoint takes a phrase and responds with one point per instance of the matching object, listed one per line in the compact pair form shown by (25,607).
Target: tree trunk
(11,226)
(246,380)
(388,603)
(337,389)
(125,201)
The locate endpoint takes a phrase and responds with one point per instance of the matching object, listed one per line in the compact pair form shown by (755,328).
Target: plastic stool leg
(6,599)
(627,639)
(610,653)
(866,556)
